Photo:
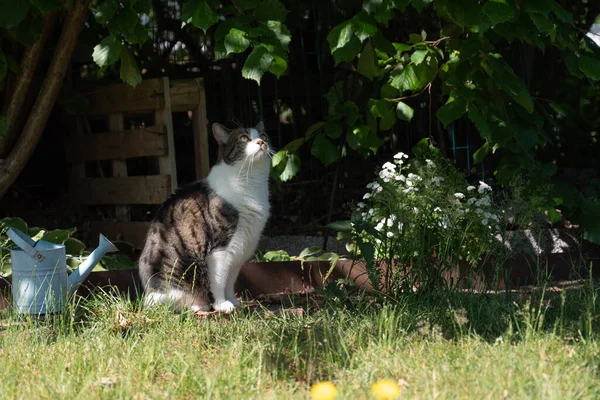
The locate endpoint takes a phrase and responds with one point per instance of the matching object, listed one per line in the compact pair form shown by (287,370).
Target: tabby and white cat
(205,231)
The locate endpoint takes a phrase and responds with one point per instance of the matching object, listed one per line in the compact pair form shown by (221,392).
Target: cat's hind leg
(178,300)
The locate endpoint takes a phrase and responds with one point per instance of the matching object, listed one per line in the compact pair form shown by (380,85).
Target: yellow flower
(385,389)
(323,391)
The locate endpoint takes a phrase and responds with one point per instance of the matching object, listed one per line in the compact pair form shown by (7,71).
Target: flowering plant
(423,213)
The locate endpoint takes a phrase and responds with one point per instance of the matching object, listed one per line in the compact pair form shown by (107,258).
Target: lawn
(540,345)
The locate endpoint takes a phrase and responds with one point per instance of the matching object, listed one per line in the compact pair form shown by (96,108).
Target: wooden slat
(164,117)
(185,95)
(144,142)
(132,232)
(149,189)
(200,128)
(122,98)
(116,123)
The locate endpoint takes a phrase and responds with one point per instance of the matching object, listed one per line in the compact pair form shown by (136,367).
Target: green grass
(543,346)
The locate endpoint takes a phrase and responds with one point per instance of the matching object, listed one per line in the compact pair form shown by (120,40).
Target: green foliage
(199,14)
(463,50)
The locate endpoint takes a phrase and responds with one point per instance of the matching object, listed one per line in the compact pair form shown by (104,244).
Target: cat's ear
(260,127)
(220,133)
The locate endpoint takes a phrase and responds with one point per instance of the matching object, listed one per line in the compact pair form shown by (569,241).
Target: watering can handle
(25,243)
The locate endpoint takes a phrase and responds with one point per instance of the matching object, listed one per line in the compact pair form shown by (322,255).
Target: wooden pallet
(98,159)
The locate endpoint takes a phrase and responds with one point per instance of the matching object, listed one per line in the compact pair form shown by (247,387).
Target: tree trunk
(11,167)
(29,63)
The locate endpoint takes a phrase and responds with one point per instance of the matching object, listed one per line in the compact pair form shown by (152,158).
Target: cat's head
(242,144)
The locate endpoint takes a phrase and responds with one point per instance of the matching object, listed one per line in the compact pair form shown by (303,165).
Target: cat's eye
(244,138)
(263,136)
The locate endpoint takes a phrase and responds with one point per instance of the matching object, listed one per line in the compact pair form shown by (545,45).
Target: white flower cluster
(429,208)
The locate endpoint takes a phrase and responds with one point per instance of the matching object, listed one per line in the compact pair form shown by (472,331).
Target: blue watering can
(40,284)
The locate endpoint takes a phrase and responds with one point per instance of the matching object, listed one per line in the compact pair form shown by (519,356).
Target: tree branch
(12,166)
(29,63)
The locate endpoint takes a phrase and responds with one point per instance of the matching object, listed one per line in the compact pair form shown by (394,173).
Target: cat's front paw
(236,303)
(224,306)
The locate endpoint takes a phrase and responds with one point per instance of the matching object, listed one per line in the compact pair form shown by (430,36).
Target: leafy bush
(422,216)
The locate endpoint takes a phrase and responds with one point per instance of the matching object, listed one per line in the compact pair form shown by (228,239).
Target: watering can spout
(81,273)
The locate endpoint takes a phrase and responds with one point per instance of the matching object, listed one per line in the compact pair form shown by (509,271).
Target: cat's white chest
(250,197)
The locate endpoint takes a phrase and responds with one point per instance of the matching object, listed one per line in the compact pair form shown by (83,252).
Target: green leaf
(404,111)
(15,222)
(367,63)
(498,11)
(3,126)
(130,72)
(46,6)
(29,30)
(364,26)
(278,157)
(371,6)
(480,123)
(199,14)
(402,47)
(294,145)
(385,110)
(280,32)
(367,250)
(257,63)
(540,6)
(340,35)
(341,226)
(278,66)
(542,23)
(12,12)
(235,41)
(310,251)
(418,56)
(324,150)
(270,10)
(106,11)
(291,168)
(107,52)
(451,111)
(314,128)
(277,255)
(74,246)
(527,136)
(348,52)
(481,153)
(590,66)
(117,262)
(406,80)
(333,129)
(561,13)
(58,236)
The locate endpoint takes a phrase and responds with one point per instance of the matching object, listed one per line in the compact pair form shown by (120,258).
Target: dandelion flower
(385,389)
(323,391)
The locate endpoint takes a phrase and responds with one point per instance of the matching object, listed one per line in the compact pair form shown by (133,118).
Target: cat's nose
(260,142)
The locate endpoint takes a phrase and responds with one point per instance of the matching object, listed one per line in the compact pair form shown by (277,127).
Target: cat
(205,231)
